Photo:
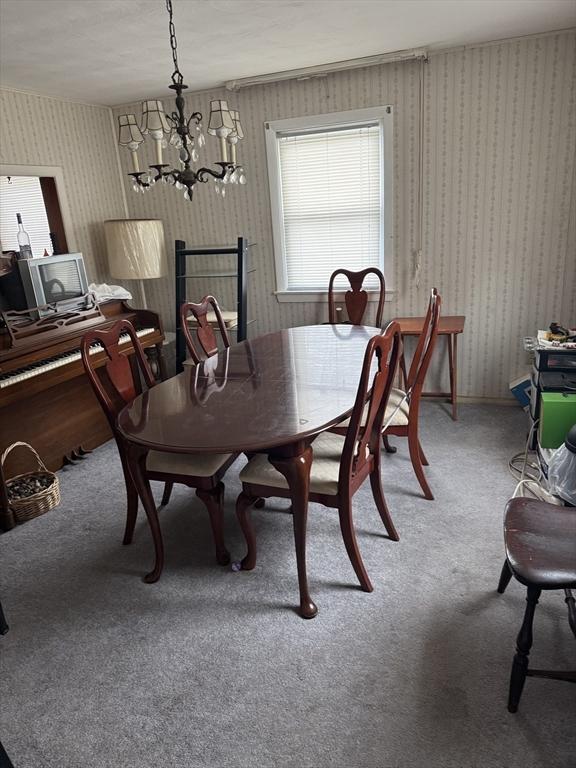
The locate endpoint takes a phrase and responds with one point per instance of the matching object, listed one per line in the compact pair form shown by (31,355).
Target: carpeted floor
(213,669)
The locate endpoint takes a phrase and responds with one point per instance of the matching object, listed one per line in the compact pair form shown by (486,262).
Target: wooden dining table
(272,394)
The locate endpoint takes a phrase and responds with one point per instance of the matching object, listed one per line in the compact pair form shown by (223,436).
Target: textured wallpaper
(498,190)
(498,194)
(35,130)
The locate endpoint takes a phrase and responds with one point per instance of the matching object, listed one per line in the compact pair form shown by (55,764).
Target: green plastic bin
(557,416)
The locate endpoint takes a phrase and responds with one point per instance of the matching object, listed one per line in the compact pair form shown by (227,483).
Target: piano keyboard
(15,377)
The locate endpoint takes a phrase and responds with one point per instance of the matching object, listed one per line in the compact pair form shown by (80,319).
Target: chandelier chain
(177,77)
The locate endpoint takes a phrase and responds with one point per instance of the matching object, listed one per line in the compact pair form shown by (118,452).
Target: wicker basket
(38,503)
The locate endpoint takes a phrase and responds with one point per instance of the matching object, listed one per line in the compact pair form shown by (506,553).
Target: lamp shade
(221,123)
(136,248)
(153,117)
(128,132)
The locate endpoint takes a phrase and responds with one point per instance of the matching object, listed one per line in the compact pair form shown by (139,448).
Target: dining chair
(540,541)
(340,464)
(205,313)
(356,299)
(116,382)
(403,411)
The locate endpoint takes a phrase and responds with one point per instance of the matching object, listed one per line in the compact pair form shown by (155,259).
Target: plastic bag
(562,474)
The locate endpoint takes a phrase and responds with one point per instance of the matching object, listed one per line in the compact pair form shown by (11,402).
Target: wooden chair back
(115,383)
(365,431)
(425,347)
(205,335)
(356,300)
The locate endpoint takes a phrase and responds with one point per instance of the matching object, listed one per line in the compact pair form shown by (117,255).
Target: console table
(449,326)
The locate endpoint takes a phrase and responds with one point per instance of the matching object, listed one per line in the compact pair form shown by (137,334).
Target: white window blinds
(23,195)
(331,200)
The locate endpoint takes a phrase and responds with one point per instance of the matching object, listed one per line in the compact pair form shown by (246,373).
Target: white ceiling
(116,51)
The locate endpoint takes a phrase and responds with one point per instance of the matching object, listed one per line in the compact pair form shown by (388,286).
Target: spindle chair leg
(571,603)
(505,576)
(523,645)
(214,501)
(3,624)
(167,493)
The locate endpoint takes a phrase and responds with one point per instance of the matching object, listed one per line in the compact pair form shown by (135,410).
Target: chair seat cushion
(394,416)
(324,472)
(397,409)
(196,465)
(541,543)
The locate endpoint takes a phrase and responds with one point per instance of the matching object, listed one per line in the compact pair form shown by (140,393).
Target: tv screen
(60,281)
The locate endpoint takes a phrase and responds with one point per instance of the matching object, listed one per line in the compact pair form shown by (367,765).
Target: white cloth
(104,292)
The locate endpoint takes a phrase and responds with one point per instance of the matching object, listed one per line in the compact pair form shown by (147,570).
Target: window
(330,187)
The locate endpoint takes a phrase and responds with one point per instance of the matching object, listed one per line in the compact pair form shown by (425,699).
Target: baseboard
(465,399)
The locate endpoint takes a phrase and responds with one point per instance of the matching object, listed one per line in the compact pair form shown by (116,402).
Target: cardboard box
(520,388)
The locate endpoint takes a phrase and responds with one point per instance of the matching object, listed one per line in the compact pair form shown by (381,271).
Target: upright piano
(45,396)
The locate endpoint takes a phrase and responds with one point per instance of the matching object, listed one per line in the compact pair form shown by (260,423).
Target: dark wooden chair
(340,463)
(401,416)
(116,382)
(540,540)
(205,313)
(403,410)
(356,300)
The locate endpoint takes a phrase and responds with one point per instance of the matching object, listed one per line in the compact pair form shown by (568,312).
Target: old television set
(53,279)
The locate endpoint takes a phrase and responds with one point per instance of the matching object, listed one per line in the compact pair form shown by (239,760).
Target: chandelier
(185,135)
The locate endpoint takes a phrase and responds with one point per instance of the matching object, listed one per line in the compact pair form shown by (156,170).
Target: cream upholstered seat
(327,454)
(396,413)
(198,465)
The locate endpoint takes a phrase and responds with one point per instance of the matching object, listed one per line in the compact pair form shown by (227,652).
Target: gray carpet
(213,669)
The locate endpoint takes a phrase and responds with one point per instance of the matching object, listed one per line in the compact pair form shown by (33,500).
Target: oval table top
(270,391)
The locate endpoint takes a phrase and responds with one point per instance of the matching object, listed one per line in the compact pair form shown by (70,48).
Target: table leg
(136,455)
(402,374)
(452,362)
(296,470)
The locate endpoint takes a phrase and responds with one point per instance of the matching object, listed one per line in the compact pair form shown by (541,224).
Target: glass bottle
(23,240)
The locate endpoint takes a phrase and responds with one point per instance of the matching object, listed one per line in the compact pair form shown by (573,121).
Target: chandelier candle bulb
(135,163)
(158,145)
(223,149)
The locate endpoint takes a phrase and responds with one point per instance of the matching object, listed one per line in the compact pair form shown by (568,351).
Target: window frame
(382,115)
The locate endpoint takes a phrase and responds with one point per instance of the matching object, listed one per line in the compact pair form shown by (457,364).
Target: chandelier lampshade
(129,135)
(185,135)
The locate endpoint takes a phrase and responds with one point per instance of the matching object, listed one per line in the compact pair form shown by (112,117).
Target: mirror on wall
(35,200)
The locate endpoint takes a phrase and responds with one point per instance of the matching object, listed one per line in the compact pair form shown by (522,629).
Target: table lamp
(136,250)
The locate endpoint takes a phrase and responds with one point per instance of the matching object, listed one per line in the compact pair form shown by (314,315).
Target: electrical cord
(529,473)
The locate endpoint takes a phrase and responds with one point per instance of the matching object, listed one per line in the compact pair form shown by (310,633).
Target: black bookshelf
(240,272)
